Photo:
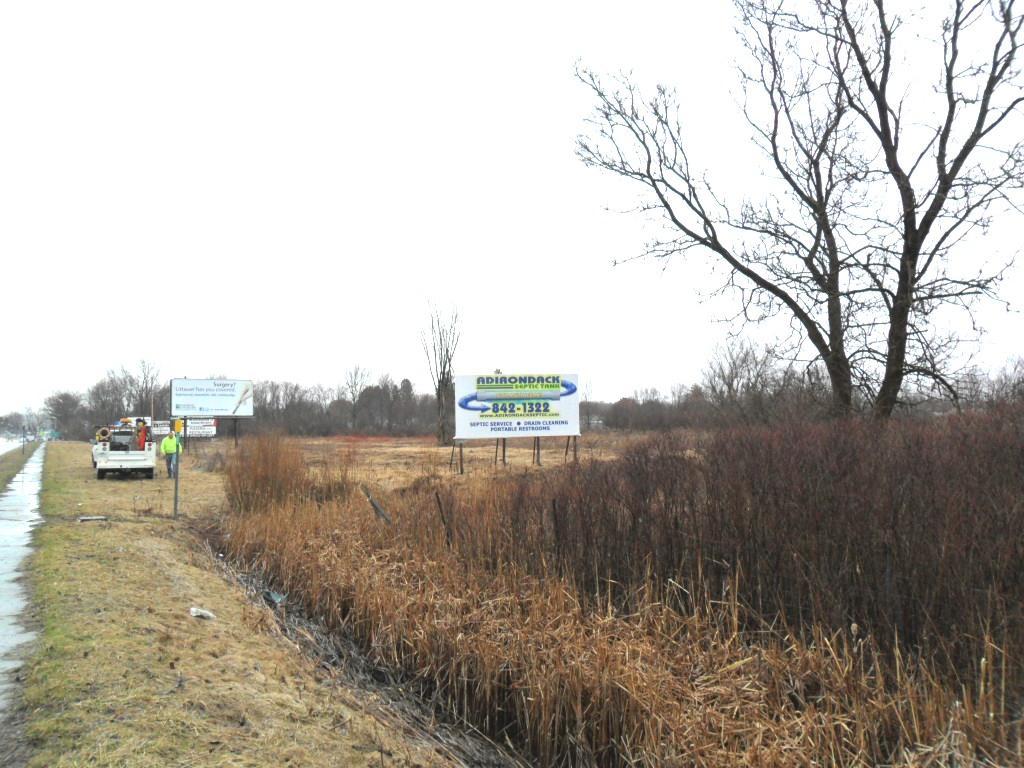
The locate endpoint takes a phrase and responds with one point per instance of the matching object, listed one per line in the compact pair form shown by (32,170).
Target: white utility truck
(117,449)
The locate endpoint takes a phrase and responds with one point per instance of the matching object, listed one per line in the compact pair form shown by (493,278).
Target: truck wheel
(149,474)
(100,474)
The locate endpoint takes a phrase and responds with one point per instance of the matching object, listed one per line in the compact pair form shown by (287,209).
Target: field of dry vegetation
(832,594)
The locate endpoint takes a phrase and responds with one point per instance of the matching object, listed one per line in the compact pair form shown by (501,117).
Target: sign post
(176,464)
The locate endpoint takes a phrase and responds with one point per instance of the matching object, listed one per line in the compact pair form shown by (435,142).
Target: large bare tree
(439,347)
(882,160)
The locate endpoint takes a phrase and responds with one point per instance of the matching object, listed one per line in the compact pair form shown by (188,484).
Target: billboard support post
(177,471)
(235,422)
(461,468)
(502,442)
(575,453)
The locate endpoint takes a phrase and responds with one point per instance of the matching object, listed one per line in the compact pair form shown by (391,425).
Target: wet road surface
(19,514)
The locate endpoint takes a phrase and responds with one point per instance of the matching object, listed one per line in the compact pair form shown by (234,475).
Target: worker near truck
(170,447)
(141,434)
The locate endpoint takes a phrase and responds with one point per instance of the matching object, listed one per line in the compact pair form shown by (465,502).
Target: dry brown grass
(270,470)
(574,680)
(397,462)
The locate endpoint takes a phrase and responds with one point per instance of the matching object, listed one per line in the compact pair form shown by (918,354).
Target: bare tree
(856,243)
(586,406)
(356,380)
(67,411)
(1004,387)
(107,399)
(141,387)
(13,423)
(739,382)
(440,348)
(750,385)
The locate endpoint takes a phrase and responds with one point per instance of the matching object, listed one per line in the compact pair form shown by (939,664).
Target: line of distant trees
(357,405)
(742,385)
(17,423)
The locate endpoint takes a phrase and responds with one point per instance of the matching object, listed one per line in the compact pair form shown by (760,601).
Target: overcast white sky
(277,190)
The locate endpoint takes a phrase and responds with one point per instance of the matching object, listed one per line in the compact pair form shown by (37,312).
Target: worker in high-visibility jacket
(170,447)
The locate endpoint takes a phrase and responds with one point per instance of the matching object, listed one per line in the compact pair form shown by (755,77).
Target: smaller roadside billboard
(194,428)
(212,397)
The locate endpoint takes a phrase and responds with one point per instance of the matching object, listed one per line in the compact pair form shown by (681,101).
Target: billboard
(516,405)
(194,428)
(211,397)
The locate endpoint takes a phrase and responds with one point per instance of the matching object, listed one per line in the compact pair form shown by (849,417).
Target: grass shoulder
(12,462)
(123,675)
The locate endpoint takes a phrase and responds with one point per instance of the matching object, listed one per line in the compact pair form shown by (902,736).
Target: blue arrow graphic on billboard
(477,401)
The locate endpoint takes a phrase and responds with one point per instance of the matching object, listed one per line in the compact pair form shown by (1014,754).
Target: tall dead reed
(912,531)
(268,470)
(763,597)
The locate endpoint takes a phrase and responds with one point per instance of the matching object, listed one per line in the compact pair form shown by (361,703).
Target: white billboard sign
(516,405)
(211,397)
